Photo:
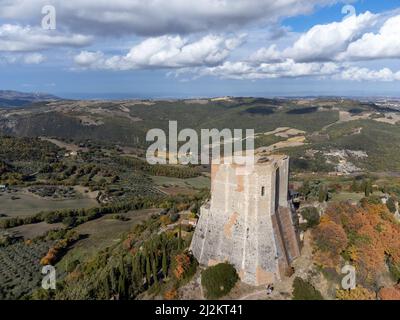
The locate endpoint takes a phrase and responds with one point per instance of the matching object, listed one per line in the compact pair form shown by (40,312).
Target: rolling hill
(13,99)
(319,133)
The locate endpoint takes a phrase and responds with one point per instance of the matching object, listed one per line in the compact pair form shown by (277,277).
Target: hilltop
(320,134)
(10,99)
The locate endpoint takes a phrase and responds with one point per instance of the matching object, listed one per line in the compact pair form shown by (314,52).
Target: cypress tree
(391,205)
(322,194)
(121,286)
(179,236)
(164,263)
(122,267)
(142,262)
(367,188)
(155,259)
(136,272)
(148,270)
(122,279)
(112,280)
(305,189)
(154,265)
(354,186)
(106,288)
(371,190)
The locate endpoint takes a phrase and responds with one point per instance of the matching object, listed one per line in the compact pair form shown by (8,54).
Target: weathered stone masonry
(249,221)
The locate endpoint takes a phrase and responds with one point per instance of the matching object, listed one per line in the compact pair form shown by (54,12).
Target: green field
(197,183)
(102,233)
(31,231)
(345,196)
(28,205)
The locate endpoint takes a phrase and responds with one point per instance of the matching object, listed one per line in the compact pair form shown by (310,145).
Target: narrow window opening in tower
(262,191)
(277,187)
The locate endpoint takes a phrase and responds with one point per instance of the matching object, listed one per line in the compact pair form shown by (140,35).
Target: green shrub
(394,270)
(303,290)
(391,205)
(371,200)
(69,221)
(311,214)
(174,217)
(219,280)
(120,217)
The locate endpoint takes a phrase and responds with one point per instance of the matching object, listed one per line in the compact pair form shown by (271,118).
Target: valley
(76,191)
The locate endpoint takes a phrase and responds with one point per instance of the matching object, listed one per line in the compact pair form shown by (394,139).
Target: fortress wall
(289,235)
(250,210)
(284,182)
(266,249)
(201,232)
(282,262)
(240,226)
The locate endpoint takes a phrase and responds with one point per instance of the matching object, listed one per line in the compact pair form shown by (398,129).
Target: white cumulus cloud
(22,58)
(287,69)
(165,52)
(365,74)
(87,58)
(17,38)
(324,42)
(269,54)
(34,58)
(380,45)
(158,17)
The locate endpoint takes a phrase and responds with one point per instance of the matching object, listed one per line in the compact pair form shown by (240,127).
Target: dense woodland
(365,236)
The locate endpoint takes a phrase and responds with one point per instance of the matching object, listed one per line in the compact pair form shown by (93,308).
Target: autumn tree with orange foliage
(50,257)
(182,265)
(358,293)
(366,236)
(390,293)
(171,294)
(330,239)
(55,252)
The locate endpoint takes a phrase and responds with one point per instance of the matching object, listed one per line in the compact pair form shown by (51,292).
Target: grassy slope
(28,205)
(261,115)
(102,233)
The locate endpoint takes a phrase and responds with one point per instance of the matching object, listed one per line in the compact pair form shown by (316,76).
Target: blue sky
(129,49)
(334,13)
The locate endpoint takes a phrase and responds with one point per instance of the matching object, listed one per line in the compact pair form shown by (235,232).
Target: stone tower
(249,221)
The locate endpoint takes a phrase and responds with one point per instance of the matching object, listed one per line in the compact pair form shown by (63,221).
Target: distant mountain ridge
(12,99)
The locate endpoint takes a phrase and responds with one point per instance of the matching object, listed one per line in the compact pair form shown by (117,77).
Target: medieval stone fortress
(249,221)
